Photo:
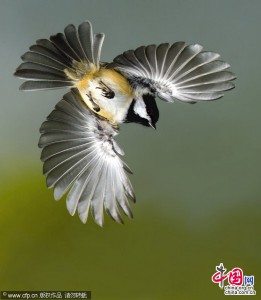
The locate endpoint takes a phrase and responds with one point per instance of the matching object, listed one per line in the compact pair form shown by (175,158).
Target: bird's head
(143,110)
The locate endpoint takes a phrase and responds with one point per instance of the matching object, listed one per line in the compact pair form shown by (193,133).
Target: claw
(106,91)
(95,106)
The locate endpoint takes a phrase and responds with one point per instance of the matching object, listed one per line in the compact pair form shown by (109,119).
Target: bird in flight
(80,155)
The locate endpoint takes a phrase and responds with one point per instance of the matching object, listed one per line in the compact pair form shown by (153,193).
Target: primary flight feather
(80,154)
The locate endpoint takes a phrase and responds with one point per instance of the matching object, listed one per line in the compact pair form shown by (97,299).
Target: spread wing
(176,71)
(61,60)
(81,155)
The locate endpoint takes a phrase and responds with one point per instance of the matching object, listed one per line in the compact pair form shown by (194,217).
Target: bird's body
(107,93)
(79,152)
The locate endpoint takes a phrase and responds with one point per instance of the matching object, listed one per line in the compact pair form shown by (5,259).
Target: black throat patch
(151,108)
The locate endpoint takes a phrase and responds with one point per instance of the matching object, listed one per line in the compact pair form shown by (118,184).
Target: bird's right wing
(177,71)
(81,155)
(62,60)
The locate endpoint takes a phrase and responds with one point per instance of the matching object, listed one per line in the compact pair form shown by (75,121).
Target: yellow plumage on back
(117,80)
(91,81)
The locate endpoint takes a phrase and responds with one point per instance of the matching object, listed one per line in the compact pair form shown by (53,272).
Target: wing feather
(77,190)
(86,38)
(73,53)
(72,38)
(152,59)
(52,53)
(59,40)
(40,67)
(44,85)
(98,39)
(177,71)
(171,57)
(162,51)
(141,56)
(81,156)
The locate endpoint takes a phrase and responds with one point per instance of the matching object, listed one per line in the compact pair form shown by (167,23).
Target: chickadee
(79,152)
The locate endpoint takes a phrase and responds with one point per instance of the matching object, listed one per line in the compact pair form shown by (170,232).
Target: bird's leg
(106,91)
(95,106)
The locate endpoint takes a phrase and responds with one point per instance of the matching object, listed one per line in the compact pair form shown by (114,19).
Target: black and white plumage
(79,152)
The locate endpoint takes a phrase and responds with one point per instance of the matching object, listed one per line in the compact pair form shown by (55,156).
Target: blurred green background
(197,177)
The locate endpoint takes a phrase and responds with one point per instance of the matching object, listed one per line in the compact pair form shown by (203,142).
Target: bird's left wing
(61,61)
(177,71)
(81,155)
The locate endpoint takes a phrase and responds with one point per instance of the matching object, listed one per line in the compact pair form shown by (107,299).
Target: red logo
(238,284)
(235,276)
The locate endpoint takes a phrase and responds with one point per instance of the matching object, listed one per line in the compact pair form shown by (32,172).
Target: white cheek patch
(140,109)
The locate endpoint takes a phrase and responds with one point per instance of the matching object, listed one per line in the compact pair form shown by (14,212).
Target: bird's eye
(149,111)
